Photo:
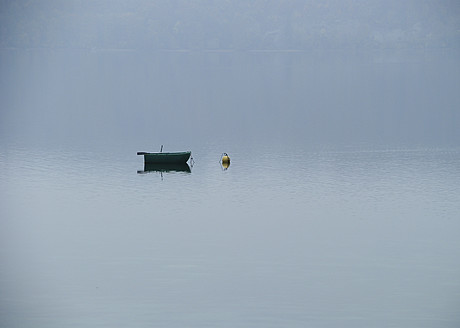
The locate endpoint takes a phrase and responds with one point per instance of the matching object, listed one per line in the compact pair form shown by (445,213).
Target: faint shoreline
(255,50)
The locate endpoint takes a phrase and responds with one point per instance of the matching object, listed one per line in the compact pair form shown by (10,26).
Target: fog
(312,71)
(400,99)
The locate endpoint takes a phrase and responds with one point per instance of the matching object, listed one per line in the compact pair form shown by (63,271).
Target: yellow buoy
(225,160)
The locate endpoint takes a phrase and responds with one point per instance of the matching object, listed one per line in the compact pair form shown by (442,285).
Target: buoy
(225,160)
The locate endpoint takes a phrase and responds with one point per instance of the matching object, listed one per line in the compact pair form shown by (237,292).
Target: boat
(159,158)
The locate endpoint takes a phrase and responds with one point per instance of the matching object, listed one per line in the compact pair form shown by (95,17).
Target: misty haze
(340,206)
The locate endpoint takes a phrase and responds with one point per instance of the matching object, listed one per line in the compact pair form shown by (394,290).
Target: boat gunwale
(168,153)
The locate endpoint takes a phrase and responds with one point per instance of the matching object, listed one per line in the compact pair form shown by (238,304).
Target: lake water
(340,208)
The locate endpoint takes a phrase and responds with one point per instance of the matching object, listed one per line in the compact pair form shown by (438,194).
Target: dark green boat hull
(163,158)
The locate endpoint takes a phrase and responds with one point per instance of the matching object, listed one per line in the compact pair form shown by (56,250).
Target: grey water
(340,208)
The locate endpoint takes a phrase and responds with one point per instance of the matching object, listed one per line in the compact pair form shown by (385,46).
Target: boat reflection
(165,167)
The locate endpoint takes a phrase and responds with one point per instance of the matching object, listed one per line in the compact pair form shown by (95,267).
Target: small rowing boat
(158,158)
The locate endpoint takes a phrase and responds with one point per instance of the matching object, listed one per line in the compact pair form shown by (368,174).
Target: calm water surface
(281,238)
(340,208)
